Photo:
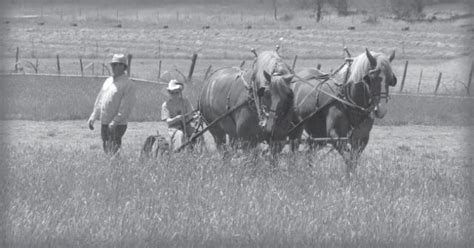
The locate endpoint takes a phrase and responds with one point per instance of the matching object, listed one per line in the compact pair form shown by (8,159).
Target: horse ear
(268,77)
(372,60)
(392,56)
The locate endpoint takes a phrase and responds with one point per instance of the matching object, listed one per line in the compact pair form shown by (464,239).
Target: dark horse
(344,106)
(257,103)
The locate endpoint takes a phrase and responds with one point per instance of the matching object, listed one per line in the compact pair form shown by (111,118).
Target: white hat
(119,58)
(174,85)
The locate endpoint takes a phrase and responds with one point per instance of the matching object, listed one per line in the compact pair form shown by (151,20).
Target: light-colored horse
(346,105)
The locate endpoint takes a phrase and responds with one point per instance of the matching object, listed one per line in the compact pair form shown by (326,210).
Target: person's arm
(95,115)
(189,110)
(165,116)
(126,104)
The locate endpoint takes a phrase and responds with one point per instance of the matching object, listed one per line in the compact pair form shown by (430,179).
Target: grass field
(413,187)
(72,197)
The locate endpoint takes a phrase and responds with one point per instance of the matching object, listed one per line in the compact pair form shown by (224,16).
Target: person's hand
(91,124)
(178,117)
(112,126)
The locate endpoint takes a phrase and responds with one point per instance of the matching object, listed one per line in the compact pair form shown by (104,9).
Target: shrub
(408,8)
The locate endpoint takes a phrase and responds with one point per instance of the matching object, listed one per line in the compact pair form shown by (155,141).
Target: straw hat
(174,85)
(119,58)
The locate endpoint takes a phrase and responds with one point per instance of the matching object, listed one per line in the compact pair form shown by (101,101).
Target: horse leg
(359,140)
(295,136)
(357,147)
(219,137)
(338,127)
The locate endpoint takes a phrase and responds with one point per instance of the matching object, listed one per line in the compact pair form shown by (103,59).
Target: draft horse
(341,108)
(252,105)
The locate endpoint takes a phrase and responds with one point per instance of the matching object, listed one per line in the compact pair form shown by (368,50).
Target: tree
(275,14)
(341,6)
(407,8)
(319,7)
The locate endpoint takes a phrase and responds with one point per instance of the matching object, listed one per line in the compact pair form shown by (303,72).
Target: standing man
(113,105)
(177,112)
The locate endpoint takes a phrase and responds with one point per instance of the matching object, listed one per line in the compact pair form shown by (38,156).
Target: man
(114,105)
(177,112)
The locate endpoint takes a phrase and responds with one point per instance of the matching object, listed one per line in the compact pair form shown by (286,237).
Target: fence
(95,68)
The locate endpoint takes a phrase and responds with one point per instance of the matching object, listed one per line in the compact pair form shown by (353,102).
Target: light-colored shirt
(115,101)
(174,107)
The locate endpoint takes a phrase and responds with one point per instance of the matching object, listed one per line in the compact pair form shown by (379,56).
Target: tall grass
(77,198)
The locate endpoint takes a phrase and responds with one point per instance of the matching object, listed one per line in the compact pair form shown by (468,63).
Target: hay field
(412,188)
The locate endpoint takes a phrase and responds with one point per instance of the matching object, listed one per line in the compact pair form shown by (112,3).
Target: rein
(254,96)
(334,96)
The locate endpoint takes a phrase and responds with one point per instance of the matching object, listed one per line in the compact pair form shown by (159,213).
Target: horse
(342,108)
(249,106)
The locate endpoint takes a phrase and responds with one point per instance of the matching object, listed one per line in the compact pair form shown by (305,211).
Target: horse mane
(360,66)
(270,62)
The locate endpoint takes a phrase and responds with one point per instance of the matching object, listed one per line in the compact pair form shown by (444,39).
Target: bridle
(263,111)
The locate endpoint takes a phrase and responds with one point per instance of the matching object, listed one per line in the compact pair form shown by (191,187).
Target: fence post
(159,70)
(82,66)
(207,71)
(129,65)
(404,76)
(438,83)
(419,82)
(159,49)
(242,64)
(58,64)
(17,57)
(294,63)
(193,63)
(469,80)
(96,49)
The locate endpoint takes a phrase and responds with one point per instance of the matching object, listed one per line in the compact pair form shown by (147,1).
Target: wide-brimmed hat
(174,85)
(119,58)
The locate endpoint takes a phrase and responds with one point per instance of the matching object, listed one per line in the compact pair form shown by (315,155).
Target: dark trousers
(112,139)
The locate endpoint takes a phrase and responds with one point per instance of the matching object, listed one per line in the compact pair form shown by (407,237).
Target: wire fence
(94,68)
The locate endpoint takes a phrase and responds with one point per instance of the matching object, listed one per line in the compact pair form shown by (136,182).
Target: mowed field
(412,187)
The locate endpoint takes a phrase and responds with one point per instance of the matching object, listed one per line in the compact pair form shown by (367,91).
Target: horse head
(374,70)
(272,78)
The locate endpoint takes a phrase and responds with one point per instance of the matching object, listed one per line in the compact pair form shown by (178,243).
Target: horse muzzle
(380,110)
(263,123)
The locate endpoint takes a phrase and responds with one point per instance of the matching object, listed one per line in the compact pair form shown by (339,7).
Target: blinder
(261,91)
(393,83)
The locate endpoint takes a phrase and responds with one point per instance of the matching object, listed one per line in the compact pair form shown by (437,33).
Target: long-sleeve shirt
(115,101)
(174,107)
